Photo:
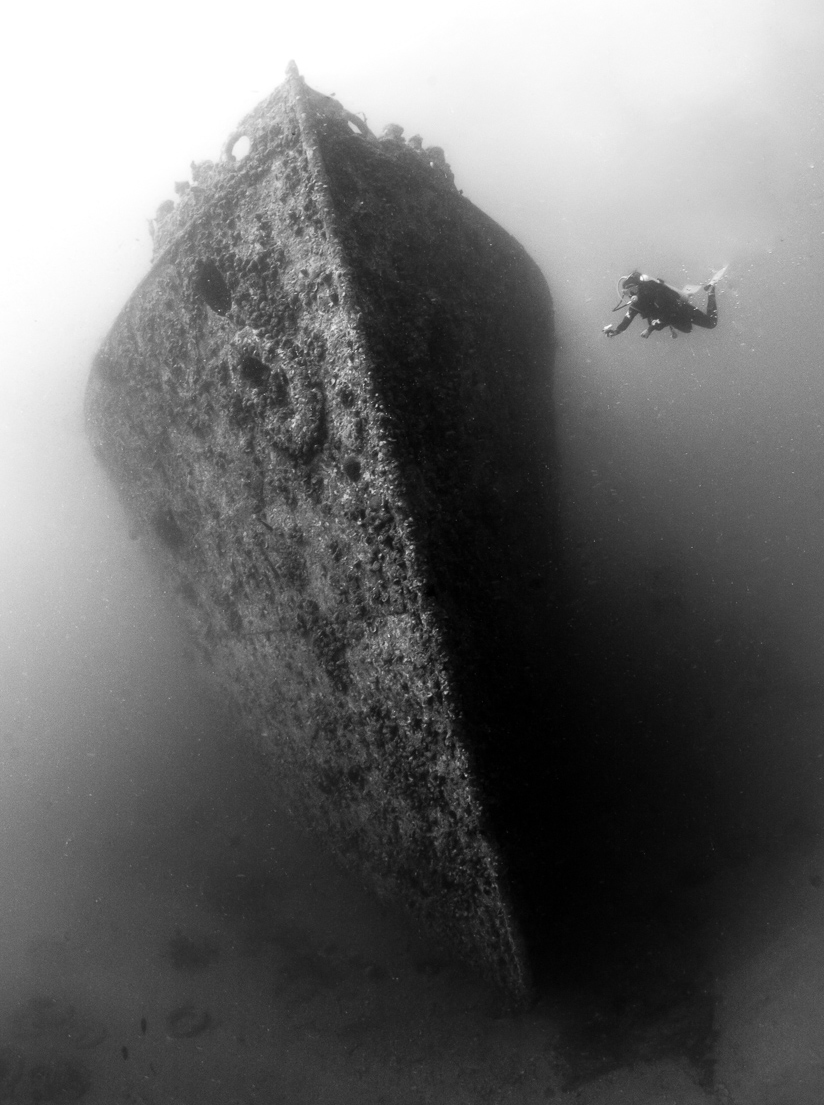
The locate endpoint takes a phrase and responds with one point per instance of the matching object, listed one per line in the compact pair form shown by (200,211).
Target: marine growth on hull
(326,409)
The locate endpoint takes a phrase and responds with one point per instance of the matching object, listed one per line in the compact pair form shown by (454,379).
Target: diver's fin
(716,276)
(690,289)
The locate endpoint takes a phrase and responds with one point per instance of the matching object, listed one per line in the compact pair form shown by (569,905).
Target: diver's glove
(610,331)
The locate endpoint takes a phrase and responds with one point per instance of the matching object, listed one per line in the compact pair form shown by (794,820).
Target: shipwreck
(327,409)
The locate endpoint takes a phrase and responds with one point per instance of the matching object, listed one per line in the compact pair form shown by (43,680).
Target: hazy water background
(693,489)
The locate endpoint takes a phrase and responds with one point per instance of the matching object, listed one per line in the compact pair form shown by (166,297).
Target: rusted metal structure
(327,410)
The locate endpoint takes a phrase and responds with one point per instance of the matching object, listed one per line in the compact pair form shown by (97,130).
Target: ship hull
(327,410)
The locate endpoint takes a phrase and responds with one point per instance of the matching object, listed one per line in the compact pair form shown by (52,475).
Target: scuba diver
(661,305)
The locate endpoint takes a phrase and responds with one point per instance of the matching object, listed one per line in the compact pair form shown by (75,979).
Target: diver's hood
(635,277)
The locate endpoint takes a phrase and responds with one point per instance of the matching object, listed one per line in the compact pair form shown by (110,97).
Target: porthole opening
(212,288)
(241,147)
(352,468)
(253,371)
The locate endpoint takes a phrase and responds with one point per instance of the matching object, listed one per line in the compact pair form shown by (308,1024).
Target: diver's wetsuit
(662,305)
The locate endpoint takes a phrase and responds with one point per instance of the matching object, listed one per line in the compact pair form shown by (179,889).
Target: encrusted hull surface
(327,410)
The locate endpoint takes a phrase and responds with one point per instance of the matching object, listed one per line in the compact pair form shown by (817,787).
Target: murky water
(167,935)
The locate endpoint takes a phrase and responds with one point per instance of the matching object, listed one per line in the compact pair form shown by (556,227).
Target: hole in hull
(212,288)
